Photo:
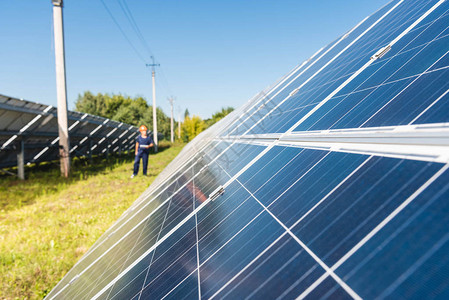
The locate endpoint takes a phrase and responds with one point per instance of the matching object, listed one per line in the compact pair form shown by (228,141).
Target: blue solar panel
(332,183)
(395,90)
(352,59)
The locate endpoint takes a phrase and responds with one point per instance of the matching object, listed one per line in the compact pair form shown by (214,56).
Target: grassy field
(47,222)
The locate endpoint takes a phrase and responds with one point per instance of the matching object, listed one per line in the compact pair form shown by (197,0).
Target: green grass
(48,222)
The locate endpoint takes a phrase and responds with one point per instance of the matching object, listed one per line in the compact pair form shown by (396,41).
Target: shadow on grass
(45,178)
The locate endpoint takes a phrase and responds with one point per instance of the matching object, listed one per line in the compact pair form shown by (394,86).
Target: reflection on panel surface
(246,213)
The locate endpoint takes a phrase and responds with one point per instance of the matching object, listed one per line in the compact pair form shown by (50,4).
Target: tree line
(136,111)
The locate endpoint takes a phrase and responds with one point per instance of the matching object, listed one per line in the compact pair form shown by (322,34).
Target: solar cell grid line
(432,22)
(149,201)
(418,211)
(299,220)
(111,283)
(300,74)
(329,271)
(257,227)
(417,78)
(220,221)
(197,254)
(331,188)
(361,48)
(348,111)
(384,34)
(261,254)
(158,236)
(377,228)
(366,65)
(330,248)
(342,123)
(204,143)
(209,213)
(328,62)
(237,233)
(429,107)
(272,101)
(308,169)
(416,265)
(170,293)
(126,234)
(85,258)
(114,258)
(179,261)
(322,264)
(304,125)
(240,231)
(160,241)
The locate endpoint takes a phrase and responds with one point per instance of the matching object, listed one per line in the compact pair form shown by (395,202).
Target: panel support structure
(21,161)
(61,88)
(420,142)
(90,151)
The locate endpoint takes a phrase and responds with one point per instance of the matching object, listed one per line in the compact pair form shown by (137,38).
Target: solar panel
(33,127)
(331,183)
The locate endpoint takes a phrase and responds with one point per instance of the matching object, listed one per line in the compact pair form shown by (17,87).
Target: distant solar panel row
(34,126)
(332,183)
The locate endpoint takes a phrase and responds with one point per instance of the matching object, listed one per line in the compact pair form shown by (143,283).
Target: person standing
(143,144)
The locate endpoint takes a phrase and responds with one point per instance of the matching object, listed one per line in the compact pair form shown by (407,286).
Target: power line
(132,21)
(130,17)
(125,8)
(122,31)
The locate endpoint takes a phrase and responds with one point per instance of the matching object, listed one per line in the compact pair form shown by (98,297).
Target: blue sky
(212,53)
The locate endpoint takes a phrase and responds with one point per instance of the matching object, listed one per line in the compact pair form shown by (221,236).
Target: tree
(192,127)
(136,111)
(163,121)
(218,116)
(133,111)
(130,114)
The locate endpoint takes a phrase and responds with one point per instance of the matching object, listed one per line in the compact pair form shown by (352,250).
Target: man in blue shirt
(143,144)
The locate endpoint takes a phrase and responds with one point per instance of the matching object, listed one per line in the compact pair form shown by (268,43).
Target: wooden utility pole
(61,88)
(153,74)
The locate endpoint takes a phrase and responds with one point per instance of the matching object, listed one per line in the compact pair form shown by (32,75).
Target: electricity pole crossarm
(61,88)
(153,73)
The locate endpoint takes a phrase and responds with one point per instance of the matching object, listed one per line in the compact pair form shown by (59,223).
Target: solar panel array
(332,183)
(34,127)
